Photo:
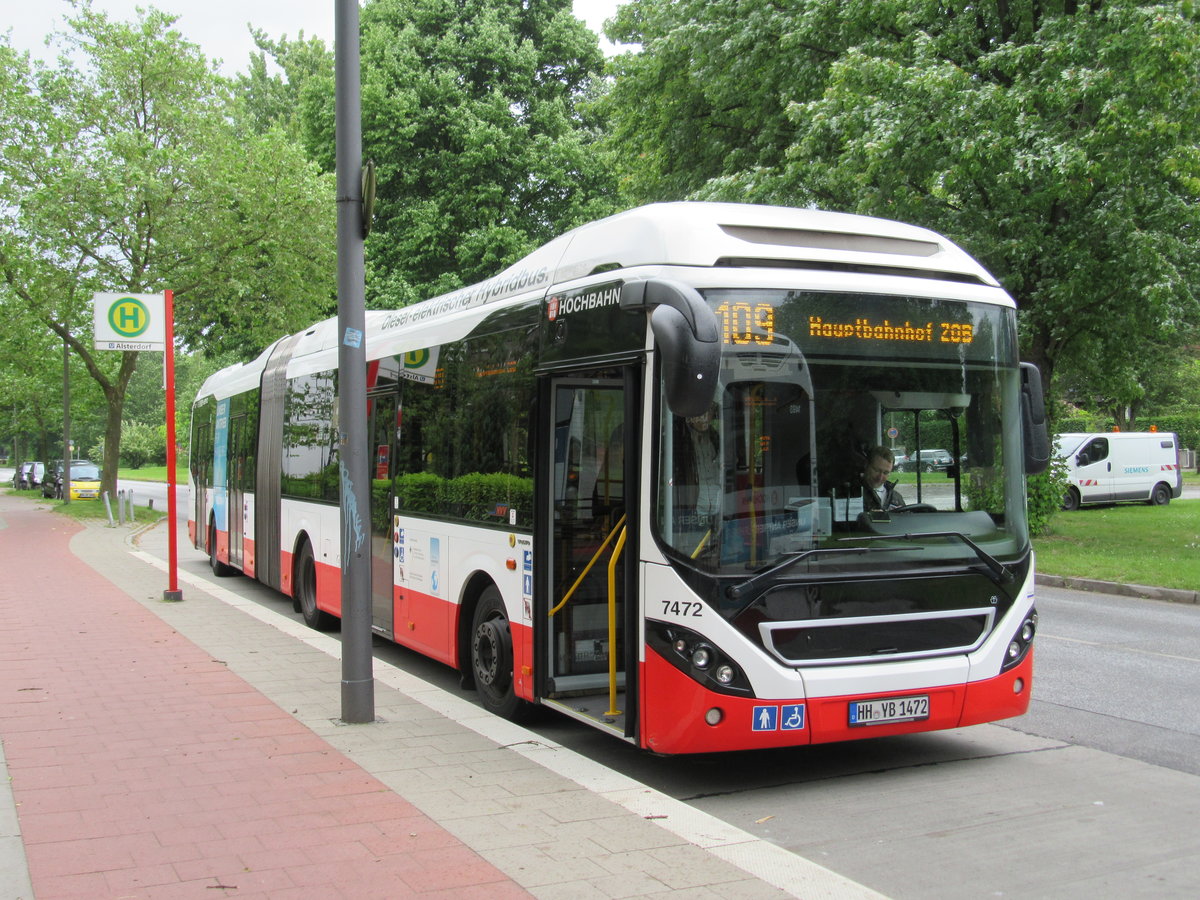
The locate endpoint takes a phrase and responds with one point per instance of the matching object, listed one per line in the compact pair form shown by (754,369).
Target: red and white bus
(623,479)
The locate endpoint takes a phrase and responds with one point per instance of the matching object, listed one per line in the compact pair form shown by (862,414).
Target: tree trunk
(114,394)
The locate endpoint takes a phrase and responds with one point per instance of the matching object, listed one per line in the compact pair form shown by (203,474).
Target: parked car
(930,461)
(85,481)
(29,475)
(52,484)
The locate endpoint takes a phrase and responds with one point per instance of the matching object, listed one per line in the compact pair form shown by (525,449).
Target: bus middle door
(381,411)
(236,506)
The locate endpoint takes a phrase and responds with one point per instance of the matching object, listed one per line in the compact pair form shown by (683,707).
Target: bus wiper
(739,591)
(999,572)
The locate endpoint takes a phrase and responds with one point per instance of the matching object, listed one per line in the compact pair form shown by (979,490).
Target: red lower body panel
(674,709)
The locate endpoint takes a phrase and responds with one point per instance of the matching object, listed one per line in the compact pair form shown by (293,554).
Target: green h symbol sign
(129,317)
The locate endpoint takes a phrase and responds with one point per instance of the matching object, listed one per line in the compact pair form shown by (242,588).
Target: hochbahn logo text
(558,307)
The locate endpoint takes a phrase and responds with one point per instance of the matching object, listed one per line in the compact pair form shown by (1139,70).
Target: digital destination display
(862,329)
(862,325)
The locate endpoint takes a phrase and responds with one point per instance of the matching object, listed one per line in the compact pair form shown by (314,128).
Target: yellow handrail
(612,624)
(588,567)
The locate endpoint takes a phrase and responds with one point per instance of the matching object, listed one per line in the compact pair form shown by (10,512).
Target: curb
(1141,591)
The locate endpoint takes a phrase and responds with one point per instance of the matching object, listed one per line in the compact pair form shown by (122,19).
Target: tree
(471,111)
(129,172)
(1055,141)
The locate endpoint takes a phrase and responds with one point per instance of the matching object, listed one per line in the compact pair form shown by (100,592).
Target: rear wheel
(220,569)
(492,657)
(1161,495)
(1071,499)
(304,586)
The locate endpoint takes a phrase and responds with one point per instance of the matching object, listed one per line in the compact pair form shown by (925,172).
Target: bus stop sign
(129,321)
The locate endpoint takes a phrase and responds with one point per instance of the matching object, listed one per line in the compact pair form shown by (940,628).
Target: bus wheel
(1161,495)
(304,584)
(220,569)
(1071,499)
(492,657)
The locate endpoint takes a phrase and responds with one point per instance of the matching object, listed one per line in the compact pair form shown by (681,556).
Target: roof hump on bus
(690,233)
(707,235)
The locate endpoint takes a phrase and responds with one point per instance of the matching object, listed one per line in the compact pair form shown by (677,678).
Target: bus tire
(304,586)
(220,569)
(492,657)
(1071,499)
(1160,496)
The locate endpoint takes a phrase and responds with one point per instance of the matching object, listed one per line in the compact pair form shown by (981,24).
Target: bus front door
(589,463)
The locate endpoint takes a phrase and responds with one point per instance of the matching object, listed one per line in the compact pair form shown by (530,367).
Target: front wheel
(1161,495)
(492,657)
(1071,500)
(304,587)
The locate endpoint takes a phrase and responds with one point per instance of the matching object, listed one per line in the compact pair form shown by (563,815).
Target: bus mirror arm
(688,336)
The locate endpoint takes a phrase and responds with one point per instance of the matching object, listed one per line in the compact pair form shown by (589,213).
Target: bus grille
(863,639)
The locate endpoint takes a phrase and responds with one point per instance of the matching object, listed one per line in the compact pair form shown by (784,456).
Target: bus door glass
(201,462)
(237,465)
(381,410)
(588,497)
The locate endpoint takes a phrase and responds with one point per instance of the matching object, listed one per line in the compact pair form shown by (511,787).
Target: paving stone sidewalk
(194,750)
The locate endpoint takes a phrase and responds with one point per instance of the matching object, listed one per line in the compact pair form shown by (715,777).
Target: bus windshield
(882,432)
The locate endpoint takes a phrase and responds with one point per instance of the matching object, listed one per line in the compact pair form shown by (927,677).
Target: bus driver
(878,492)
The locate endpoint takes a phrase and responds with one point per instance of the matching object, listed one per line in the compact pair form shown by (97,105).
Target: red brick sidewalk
(143,768)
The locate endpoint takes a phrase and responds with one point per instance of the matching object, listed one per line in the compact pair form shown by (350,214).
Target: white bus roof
(685,234)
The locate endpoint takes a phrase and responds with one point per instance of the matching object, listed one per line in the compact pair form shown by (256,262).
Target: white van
(1105,468)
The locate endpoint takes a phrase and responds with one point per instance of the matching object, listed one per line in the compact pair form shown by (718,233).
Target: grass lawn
(1134,544)
(153,473)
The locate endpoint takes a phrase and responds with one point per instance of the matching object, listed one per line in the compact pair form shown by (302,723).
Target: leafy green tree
(129,172)
(142,443)
(472,113)
(1054,140)
(296,95)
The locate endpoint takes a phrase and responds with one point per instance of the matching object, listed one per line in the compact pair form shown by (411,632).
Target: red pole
(172,592)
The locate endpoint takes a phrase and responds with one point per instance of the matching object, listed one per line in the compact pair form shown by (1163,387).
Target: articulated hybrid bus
(624,479)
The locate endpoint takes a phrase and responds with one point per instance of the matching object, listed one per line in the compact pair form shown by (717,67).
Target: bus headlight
(698,658)
(1020,642)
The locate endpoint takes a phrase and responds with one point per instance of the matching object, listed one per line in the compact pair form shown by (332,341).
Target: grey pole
(358,685)
(66,472)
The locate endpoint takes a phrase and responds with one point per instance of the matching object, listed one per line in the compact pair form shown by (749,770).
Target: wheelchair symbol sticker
(789,717)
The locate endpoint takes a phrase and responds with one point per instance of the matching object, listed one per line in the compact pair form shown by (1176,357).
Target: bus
(623,479)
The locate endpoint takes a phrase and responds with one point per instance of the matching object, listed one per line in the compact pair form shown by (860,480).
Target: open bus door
(381,412)
(588,650)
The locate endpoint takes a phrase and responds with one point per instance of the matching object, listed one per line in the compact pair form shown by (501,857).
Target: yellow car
(85,482)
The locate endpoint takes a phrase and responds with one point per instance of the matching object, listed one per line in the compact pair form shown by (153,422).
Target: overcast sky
(218,26)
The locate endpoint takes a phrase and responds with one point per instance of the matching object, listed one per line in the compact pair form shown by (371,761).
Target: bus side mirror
(688,336)
(1034,429)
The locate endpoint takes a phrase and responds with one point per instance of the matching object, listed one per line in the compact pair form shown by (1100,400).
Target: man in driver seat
(878,492)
